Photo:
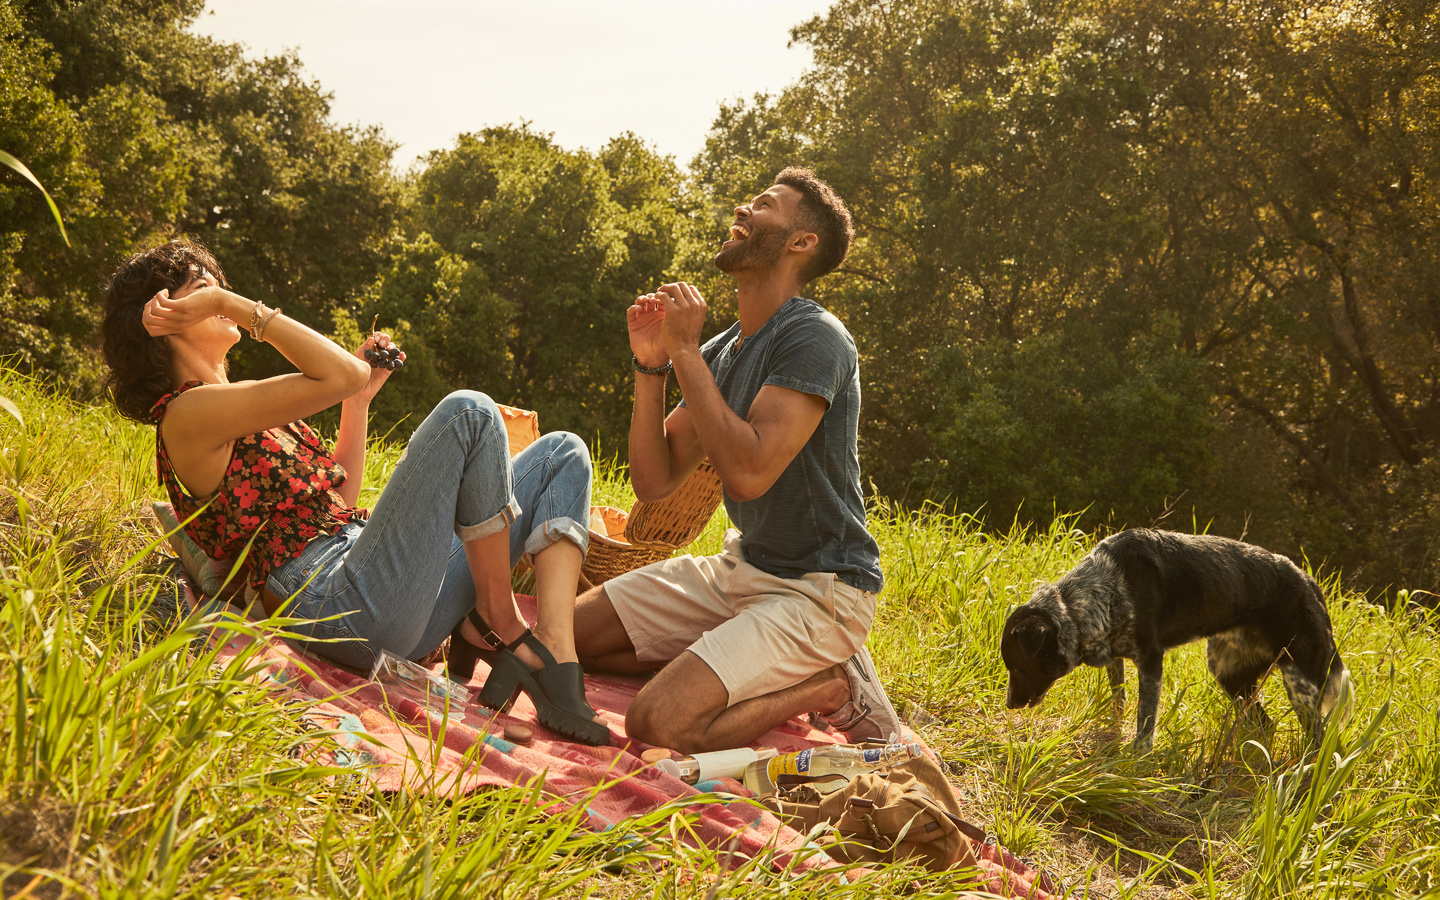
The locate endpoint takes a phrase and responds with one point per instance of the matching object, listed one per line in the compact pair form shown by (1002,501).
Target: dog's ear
(1031,635)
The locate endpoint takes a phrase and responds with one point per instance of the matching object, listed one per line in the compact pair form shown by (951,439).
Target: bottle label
(790,764)
(874,757)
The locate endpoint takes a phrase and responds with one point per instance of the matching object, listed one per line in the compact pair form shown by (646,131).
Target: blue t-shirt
(813,517)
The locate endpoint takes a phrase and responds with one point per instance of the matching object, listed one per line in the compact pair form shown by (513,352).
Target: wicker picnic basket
(650,532)
(620,541)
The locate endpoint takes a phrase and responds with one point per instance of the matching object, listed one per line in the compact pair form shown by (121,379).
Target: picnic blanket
(402,745)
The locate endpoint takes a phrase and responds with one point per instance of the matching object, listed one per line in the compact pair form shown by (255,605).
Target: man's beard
(761,250)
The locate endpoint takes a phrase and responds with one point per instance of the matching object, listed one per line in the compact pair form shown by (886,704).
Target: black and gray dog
(1141,592)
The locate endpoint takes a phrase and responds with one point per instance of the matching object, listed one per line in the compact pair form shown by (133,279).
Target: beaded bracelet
(648,370)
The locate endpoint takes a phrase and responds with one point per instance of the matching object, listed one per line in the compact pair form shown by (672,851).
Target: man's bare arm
(663,451)
(751,453)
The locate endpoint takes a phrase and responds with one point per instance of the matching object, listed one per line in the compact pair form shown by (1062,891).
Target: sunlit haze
(428,70)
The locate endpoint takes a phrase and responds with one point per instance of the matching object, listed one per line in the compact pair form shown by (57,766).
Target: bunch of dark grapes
(388,357)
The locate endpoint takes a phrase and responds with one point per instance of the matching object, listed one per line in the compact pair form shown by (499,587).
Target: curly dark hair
(823,212)
(140,364)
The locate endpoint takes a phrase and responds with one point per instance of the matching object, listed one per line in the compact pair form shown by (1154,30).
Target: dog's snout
(1022,693)
(1019,698)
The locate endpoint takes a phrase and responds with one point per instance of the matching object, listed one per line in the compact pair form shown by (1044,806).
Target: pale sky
(427,70)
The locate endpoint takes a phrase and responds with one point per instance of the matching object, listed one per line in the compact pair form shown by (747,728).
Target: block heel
(504,683)
(557,689)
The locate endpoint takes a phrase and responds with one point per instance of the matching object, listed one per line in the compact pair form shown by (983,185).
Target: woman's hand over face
(378,373)
(164,314)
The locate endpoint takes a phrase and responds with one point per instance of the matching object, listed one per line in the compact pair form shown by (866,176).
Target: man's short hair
(823,212)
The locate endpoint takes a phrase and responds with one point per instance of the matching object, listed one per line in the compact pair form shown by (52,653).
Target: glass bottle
(698,767)
(762,776)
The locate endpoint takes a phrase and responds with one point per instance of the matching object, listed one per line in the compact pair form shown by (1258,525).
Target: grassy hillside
(132,765)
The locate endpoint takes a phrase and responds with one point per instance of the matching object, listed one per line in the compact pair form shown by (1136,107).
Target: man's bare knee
(677,708)
(643,724)
(659,724)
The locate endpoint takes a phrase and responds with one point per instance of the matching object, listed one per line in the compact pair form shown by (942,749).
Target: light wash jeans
(400,582)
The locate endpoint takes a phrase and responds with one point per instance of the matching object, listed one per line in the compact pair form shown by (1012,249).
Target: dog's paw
(1143,744)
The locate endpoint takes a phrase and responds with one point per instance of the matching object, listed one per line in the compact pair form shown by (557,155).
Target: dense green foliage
(1113,252)
(132,765)
(1123,257)
(1139,258)
(524,259)
(141,129)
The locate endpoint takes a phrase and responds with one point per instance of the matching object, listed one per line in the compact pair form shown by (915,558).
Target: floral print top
(280,483)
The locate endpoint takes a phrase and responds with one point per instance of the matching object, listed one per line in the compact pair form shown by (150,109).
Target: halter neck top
(279,490)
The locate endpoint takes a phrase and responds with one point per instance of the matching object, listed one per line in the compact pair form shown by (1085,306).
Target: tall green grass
(133,762)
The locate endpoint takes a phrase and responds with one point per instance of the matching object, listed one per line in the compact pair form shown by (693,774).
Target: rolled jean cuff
(493,525)
(552,530)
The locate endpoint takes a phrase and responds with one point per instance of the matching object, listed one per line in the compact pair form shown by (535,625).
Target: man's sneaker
(868,716)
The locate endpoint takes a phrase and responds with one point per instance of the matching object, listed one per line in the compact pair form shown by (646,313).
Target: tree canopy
(1113,252)
(506,262)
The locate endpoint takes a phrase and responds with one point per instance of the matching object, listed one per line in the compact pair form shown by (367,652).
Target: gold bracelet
(255,324)
(260,335)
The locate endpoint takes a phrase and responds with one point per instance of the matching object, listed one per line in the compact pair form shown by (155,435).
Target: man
(774,626)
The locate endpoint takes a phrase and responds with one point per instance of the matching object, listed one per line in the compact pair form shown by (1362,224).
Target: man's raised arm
(749,454)
(663,452)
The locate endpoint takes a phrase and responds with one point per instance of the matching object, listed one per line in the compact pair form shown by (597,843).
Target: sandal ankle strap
(514,645)
(534,643)
(488,636)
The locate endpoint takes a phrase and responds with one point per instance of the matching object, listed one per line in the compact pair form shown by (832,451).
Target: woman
(435,555)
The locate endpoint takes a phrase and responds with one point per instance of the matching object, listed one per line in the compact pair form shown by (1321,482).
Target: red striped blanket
(401,745)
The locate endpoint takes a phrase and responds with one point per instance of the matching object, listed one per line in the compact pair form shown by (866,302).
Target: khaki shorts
(759,632)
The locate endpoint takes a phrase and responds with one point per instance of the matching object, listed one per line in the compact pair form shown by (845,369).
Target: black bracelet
(647,370)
